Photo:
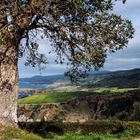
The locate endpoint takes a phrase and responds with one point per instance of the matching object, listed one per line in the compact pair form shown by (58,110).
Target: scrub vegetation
(128,134)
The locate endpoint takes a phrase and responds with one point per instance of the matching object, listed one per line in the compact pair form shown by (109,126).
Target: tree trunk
(8,83)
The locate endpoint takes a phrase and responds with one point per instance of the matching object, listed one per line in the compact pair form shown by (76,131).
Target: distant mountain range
(122,79)
(44,79)
(41,81)
(127,78)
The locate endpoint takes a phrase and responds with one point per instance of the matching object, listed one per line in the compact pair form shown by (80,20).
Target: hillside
(58,96)
(81,106)
(55,80)
(85,112)
(44,79)
(41,81)
(122,79)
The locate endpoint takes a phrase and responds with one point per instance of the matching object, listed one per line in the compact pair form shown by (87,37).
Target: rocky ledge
(122,106)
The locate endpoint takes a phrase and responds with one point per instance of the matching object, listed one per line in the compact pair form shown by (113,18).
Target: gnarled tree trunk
(8,82)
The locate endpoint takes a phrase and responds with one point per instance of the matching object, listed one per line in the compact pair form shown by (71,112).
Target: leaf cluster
(82,32)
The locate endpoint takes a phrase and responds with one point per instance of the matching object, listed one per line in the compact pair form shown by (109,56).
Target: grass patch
(58,97)
(128,134)
(15,133)
(131,132)
(91,136)
(78,136)
(115,129)
(54,97)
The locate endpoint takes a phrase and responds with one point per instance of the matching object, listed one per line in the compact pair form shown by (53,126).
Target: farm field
(63,96)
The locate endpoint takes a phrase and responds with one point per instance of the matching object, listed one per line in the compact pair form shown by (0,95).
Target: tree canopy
(82,32)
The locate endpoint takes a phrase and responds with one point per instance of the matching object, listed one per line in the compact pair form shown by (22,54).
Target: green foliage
(126,134)
(131,131)
(136,111)
(77,136)
(95,126)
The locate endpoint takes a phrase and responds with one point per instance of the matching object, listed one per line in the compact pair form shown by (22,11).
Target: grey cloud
(129,57)
(130,8)
(49,69)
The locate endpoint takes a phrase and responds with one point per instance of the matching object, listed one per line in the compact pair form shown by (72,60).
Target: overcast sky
(127,58)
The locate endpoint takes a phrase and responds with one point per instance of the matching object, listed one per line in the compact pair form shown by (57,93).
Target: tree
(82,32)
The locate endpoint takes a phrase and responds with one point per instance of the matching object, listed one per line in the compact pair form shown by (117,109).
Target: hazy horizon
(101,70)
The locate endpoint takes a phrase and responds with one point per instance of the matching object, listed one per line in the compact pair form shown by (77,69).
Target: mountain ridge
(122,78)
